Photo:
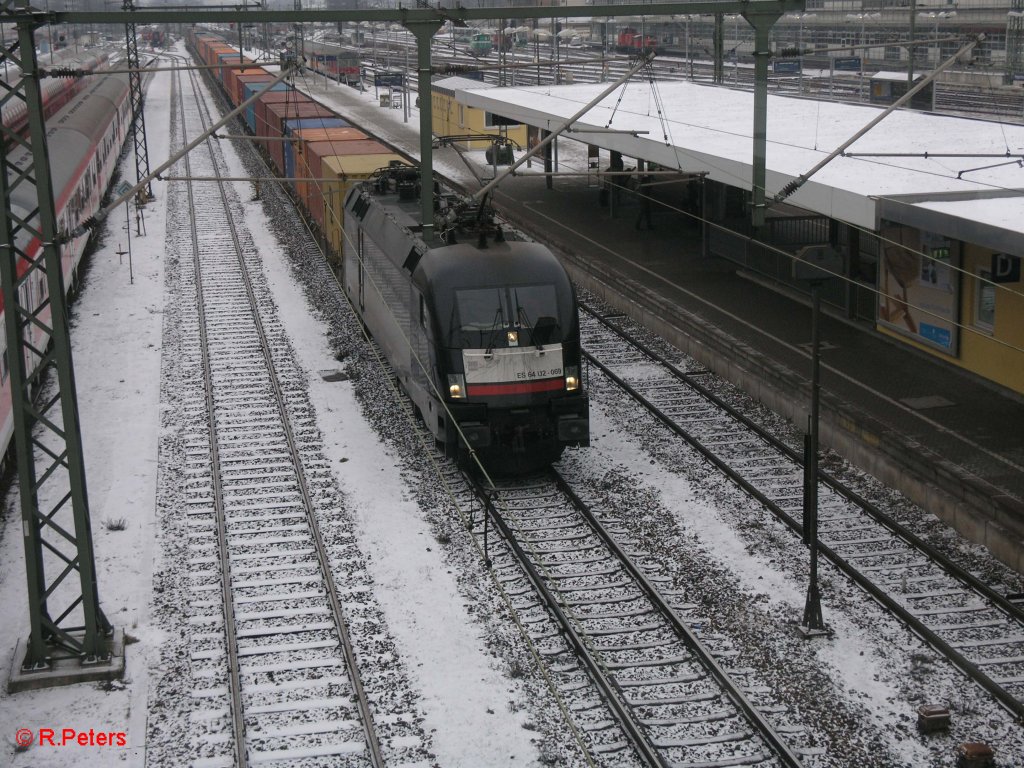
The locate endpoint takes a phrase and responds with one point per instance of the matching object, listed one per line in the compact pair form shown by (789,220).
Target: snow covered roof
(705,128)
(989,211)
(455,83)
(992,220)
(896,76)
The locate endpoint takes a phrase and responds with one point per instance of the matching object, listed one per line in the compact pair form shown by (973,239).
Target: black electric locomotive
(481,326)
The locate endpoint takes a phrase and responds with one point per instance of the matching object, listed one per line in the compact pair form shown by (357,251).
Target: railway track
(677,738)
(641,686)
(271,655)
(977,629)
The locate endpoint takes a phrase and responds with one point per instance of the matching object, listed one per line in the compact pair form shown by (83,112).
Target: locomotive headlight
(572,377)
(456,386)
(513,338)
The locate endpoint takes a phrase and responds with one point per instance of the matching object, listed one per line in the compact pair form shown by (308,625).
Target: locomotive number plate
(512,364)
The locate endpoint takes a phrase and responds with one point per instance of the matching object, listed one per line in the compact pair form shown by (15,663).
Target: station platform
(950,441)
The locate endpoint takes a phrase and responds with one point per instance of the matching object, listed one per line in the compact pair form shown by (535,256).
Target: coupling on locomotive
(481,325)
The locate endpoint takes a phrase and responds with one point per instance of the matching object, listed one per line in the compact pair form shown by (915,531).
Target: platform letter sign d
(1005,268)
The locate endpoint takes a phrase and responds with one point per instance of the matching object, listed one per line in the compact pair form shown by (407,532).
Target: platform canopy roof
(703,128)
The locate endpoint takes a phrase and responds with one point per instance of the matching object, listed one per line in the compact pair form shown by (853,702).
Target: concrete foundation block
(67,669)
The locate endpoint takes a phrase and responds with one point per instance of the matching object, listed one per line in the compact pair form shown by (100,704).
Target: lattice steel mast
(138,114)
(300,40)
(63,602)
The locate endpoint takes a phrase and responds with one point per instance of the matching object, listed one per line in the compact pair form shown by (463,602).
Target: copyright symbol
(23,737)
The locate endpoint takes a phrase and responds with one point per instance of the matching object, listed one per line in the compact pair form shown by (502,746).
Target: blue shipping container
(297,124)
(226,58)
(248,90)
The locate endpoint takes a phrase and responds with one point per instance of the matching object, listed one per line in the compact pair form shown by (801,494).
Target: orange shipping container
(274,97)
(233,84)
(277,114)
(294,163)
(339,133)
(213,52)
(310,166)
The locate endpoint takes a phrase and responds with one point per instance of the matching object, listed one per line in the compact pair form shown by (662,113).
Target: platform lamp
(814,264)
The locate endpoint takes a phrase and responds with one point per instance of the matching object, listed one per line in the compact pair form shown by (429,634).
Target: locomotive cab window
(482,313)
(536,310)
(481,308)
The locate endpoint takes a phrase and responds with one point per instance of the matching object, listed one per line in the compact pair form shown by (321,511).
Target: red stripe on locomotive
(515,388)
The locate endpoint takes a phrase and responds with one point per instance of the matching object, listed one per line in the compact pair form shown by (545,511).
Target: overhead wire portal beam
(200,14)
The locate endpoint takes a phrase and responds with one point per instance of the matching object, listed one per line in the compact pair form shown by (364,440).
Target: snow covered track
(667,700)
(977,629)
(276,678)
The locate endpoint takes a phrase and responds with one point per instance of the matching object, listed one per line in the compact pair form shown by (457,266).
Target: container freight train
(479,324)
(84,140)
(319,152)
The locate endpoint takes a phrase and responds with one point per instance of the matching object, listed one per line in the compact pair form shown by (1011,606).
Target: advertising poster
(919,288)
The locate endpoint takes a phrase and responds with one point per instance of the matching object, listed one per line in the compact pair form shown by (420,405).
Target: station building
(474,128)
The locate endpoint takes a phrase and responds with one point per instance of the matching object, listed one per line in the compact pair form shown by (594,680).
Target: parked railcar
(631,41)
(481,326)
(84,141)
(55,91)
(338,64)
(480,44)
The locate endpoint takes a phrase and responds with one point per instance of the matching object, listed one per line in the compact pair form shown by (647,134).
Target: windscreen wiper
(521,313)
(496,324)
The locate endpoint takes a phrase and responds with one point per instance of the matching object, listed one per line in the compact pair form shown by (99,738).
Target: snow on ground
(116,334)
(864,676)
(461,687)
